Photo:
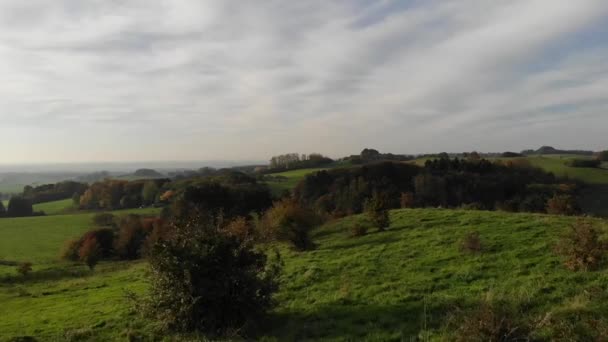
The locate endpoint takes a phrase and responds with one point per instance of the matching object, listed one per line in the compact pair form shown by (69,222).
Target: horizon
(96,82)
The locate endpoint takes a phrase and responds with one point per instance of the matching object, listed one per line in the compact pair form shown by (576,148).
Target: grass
(557,165)
(55,207)
(292,178)
(39,239)
(395,285)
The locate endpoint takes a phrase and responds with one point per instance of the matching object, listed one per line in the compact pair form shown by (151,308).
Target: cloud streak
(191,80)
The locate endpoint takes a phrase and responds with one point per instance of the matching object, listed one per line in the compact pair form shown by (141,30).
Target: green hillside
(55,207)
(396,285)
(557,165)
(291,179)
(38,239)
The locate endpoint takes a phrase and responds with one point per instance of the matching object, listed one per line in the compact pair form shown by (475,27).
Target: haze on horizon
(234,80)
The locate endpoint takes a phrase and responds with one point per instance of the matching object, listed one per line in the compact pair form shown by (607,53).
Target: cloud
(140,80)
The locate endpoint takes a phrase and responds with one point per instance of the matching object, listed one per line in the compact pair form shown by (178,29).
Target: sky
(141,80)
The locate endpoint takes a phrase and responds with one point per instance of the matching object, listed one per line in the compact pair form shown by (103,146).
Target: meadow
(402,284)
(292,178)
(38,239)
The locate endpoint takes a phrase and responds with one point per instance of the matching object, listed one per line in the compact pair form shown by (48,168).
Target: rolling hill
(402,284)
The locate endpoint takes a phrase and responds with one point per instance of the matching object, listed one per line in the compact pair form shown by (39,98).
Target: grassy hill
(55,207)
(291,179)
(400,284)
(39,239)
(557,165)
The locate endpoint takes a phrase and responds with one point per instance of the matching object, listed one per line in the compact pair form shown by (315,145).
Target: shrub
(24,268)
(104,238)
(492,321)
(592,163)
(407,200)
(207,281)
(581,247)
(562,205)
(377,210)
(358,230)
(288,221)
(131,237)
(90,252)
(471,243)
(104,220)
(69,251)
(241,229)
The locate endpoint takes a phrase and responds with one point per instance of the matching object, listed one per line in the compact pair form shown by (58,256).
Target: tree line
(445,182)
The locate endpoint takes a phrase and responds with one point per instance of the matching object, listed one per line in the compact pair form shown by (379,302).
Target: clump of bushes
(582,247)
(130,239)
(592,163)
(562,205)
(205,280)
(288,221)
(376,209)
(471,243)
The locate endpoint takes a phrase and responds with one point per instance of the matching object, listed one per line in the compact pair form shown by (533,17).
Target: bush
(24,268)
(70,250)
(471,243)
(90,252)
(592,163)
(358,230)
(562,205)
(131,237)
(207,281)
(288,221)
(581,247)
(377,210)
(492,321)
(104,220)
(104,238)
(241,229)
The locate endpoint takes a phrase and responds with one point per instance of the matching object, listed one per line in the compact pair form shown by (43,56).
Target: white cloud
(247,79)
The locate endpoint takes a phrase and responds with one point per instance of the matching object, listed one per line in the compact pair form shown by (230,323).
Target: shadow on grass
(63,272)
(354,322)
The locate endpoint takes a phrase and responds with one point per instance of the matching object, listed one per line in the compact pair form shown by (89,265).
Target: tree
(207,281)
(19,206)
(149,192)
(90,253)
(603,156)
(288,221)
(376,209)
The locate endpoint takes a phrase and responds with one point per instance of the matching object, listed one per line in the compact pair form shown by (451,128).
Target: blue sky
(135,80)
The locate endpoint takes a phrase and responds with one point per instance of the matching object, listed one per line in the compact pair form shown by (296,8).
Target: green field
(55,207)
(557,165)
(39,239)
(396,285)
(292,179)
